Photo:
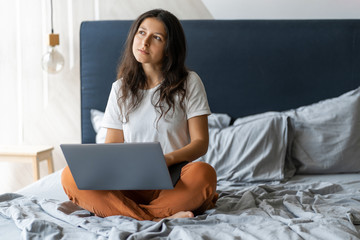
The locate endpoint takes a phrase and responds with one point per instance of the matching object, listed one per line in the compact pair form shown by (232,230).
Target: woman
(156,99)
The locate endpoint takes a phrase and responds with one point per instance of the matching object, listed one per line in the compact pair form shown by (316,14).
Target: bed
(284,135)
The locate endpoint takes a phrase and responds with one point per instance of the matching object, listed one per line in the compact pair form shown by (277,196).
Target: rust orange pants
(195,191)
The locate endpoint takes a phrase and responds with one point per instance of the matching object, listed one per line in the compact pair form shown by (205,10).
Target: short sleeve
(112,116)
(196,99)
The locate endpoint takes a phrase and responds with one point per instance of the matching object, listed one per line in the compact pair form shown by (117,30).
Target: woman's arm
(114,136)
(199,141)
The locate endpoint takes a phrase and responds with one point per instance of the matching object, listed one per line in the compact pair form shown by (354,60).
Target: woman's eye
(157,38)
(141,32)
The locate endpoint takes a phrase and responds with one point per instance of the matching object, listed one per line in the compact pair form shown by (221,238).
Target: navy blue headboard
(247,66)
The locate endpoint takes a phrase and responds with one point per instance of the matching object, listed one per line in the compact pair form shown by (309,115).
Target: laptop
(120,166)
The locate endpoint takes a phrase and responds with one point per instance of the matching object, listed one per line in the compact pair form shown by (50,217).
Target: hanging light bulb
(52,60)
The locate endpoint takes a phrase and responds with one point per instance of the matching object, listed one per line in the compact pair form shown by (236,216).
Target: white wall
(283,9)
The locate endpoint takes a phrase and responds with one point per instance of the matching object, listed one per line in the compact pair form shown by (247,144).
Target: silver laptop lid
(118,166)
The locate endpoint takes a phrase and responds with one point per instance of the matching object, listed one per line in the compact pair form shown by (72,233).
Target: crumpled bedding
(321,210)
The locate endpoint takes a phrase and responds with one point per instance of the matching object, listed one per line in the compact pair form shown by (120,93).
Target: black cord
(52,27)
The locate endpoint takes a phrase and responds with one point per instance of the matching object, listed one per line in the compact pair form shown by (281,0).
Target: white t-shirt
(172,129)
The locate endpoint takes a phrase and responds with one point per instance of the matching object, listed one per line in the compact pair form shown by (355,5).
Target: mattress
(304,207)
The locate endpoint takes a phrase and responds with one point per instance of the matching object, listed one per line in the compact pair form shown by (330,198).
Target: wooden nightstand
(30,154)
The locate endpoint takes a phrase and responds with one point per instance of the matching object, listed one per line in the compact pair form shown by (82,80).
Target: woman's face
(149,42)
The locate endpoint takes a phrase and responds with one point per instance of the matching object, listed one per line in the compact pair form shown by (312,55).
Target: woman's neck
(153,76)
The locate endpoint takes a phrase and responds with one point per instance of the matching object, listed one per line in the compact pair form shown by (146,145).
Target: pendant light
(52,60)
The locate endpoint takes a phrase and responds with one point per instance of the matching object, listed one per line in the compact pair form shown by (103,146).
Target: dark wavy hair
(174,71)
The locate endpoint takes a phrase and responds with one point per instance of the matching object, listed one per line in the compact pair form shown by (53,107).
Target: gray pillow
(219,120)
(253,150)
(327,135)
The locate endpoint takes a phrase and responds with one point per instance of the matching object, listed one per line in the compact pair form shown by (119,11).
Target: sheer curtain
(39,108)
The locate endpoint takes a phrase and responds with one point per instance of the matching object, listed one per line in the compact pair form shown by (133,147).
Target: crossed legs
(193,194)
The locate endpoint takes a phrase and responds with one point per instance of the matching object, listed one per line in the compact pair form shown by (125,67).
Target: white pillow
(96,119)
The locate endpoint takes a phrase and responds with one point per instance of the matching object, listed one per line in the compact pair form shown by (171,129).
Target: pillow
(96,119)
(327,135)
(253,150)
(254,117)
(219,120)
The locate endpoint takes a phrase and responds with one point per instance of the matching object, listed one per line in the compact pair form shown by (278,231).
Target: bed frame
(247,66)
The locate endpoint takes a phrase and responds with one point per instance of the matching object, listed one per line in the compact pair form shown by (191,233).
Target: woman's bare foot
(181,214)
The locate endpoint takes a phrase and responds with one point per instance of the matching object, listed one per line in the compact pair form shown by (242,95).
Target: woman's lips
(143,51)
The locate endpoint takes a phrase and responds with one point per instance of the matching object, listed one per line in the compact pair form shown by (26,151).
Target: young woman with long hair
(156,99)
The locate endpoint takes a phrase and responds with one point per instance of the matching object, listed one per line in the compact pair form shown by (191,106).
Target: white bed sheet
(47,187)
(50,186)
(231,218)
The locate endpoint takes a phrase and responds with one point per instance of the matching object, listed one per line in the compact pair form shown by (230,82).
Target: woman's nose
(146,41)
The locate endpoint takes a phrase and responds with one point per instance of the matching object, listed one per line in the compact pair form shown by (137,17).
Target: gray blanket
(321,210)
